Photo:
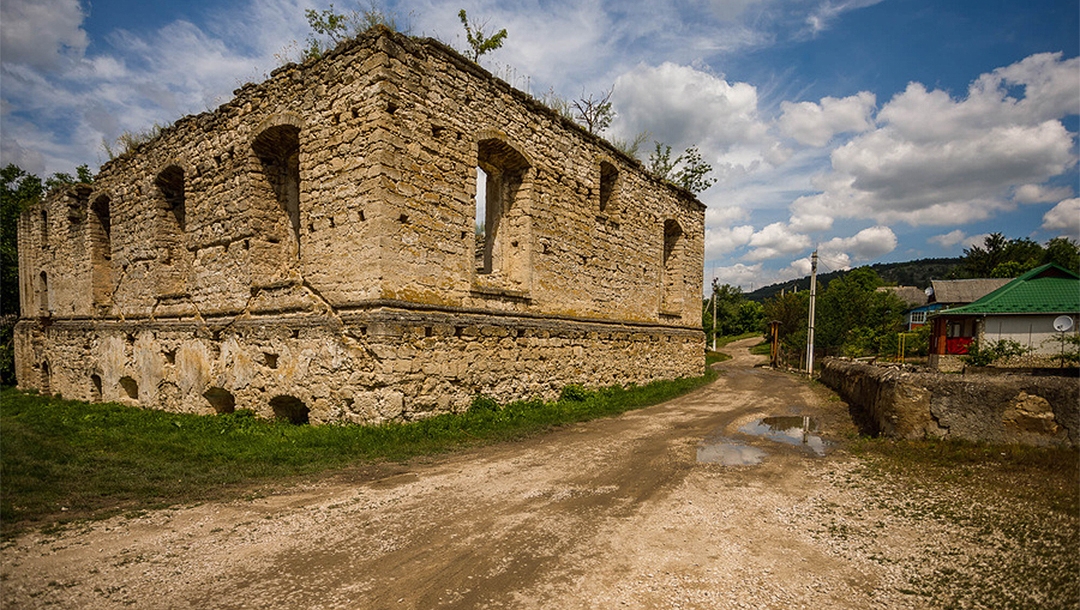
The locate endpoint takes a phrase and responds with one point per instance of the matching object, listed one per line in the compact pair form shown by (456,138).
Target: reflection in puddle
(797,431)
(729,453)
(788,430)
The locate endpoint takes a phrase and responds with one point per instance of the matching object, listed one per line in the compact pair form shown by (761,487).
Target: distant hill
(911,273)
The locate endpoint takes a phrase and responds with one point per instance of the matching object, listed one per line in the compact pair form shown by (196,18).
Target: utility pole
(714,313)
(810,324)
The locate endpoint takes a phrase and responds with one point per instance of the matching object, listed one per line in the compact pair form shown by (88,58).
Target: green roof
(1048,289)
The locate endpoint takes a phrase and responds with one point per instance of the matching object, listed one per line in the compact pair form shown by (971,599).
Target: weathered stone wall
(315,239)
(999,408)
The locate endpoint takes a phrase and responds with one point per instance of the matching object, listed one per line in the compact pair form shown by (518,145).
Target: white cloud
(1064,218)
(948,240)
(936,160)
(742,275)
(43,34)
(722,240)
(1037,193)
(815,124)
(865,245)
(683,106)
(774,241)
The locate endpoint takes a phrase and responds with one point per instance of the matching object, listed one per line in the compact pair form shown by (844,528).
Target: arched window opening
(278,150)
(289,408)
(130,387)
(609,177)
(501,236)
(672,266)
(221,400)
(95,388)
(171,184)
(100,229)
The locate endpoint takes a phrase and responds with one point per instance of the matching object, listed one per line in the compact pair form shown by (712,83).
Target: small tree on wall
(480,43)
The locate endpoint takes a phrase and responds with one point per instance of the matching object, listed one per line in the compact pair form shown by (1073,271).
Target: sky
(869,130)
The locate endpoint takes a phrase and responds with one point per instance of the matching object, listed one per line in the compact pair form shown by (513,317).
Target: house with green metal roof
(1023,310)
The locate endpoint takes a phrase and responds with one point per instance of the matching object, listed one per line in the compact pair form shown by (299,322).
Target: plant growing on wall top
(688,170)
(594,114)
(480,43)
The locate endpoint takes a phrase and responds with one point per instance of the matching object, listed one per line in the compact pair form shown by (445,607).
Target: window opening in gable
(609,177)
(43,293)
(46,379)
(100,230)
(672,266)
(171,184)
(278,150)
(501,213)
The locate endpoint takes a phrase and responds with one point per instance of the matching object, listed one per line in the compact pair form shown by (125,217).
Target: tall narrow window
(609,177)
(44,229)
(672,266)
(171,184)
(99,229)
(43,293)
(278,150)
(502,224)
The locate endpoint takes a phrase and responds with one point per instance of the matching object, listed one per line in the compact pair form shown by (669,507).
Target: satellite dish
(1063,324)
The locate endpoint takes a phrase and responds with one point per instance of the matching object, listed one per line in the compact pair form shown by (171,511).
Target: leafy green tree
(687,170)
(790,309)
(854,319)
(1064,252)
(329,29)
(1001,257)
(480,43)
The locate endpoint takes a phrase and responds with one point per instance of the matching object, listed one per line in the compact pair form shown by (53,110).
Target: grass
(1017,508)
(62,460)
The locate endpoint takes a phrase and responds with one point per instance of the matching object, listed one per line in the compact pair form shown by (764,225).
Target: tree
(330,28)
(854,319)
(595,114)
(480,43)
(688,170)
(790,310)
(1001,257)
(1064,252)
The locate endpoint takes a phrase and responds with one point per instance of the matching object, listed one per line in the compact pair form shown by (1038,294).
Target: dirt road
(606,514)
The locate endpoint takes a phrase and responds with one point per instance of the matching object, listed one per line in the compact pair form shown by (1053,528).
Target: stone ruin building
(312,250)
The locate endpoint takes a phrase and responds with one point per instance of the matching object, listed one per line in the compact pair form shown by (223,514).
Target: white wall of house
(1035,331)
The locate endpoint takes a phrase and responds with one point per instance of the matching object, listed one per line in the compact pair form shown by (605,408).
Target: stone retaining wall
(903,403)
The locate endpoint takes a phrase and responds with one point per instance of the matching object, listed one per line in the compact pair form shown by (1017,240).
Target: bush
(574,393)
(482,403)
(979,355)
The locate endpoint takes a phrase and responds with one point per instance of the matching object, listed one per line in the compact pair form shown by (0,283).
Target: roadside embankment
(904,403)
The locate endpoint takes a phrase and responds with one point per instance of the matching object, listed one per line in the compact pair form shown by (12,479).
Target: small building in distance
(316,249)
(1023,310)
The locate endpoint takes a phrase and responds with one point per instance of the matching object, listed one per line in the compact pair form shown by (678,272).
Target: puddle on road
(796,431)
(728,452)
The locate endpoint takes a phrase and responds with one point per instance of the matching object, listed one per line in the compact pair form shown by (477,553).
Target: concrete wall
(336,199)
(999,408)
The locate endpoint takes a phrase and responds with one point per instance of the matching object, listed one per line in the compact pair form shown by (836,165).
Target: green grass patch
(1017,509)
(62,460)
(724,340)
(762,349)
(712,357)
